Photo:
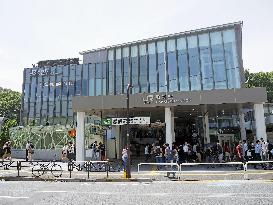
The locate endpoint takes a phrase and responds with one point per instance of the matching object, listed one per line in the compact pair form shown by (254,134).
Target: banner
(132,121)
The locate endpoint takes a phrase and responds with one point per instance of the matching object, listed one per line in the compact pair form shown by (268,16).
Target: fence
(241,168)
(56,169)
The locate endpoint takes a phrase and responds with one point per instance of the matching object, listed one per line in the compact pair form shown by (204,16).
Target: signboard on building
(123,121)
(164,99)
(106,121)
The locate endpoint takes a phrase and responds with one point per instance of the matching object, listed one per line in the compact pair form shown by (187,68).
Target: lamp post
(128,167)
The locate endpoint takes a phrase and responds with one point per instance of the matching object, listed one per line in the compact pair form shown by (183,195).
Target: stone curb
(74,179)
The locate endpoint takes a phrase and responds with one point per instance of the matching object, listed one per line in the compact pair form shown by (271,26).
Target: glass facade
(193,61)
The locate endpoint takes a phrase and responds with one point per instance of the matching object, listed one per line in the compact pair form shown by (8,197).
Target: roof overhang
(170,99)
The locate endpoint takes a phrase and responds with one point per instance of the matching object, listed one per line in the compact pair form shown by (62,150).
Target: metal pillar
(242,124)
(80,137)
(128,168)
(206,128)
(260,122)
(169,126)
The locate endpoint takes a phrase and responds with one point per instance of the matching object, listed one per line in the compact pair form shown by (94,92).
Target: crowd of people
(243,151)
(97,151)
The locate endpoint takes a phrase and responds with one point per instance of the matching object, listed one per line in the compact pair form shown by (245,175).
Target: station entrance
(192,124)
(197,116)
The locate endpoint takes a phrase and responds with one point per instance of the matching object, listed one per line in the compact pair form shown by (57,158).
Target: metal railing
(40,168)
(160,166)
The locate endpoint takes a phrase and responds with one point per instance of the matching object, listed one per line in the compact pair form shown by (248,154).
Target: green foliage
(261,79)
(10,104)
(4,134)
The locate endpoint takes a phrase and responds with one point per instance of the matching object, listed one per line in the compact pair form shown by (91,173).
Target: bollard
(70,168)
(88,167)
(107,169)
(18,168)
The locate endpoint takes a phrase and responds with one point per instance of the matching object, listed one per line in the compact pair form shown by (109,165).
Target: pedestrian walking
(27,148)
(102,151)
(71,151)
(65,153)
(7,151)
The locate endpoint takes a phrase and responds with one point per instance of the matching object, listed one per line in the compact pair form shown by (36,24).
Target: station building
(188,86)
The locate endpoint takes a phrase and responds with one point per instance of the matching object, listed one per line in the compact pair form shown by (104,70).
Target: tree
(10,104)
(261,79)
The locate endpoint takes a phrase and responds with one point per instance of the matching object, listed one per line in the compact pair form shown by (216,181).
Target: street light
(128,165)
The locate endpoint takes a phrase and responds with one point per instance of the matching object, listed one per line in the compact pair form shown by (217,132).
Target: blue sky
(32,30)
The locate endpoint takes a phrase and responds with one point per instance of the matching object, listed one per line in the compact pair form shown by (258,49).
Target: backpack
(31,146)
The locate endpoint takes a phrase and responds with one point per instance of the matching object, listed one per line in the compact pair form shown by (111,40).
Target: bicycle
(40,169)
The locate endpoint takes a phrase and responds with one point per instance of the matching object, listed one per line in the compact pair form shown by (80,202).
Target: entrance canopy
(169,99)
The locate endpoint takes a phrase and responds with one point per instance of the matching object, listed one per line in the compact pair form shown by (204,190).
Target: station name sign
(164,99)
(42,72)
(123,121)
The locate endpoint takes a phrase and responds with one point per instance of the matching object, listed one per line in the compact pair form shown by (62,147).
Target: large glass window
(134,63)
(85,80)
(206,65)
(126,67)
(183,64)
(26,92)
(65,83)
(172,65)
(52,81)
(103,80)
(143,70)
(64,108)
(194,63)
(152,68)
(118,72)
(98,79)
(92,79)
(218,60)
(161,66)
(58,84)
(78,81)
(231,57)
(39,89)
(111,73)
(71,82)
(33,89)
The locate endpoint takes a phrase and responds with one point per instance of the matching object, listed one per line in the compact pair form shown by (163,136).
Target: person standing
(158,156)
(27,148)
(186,152)
(264,150)
(245,148)
(146,152)
(30,151)
(258,150)
(124,158)
(219,152)
(239,153)
(64,153)
(93,150)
